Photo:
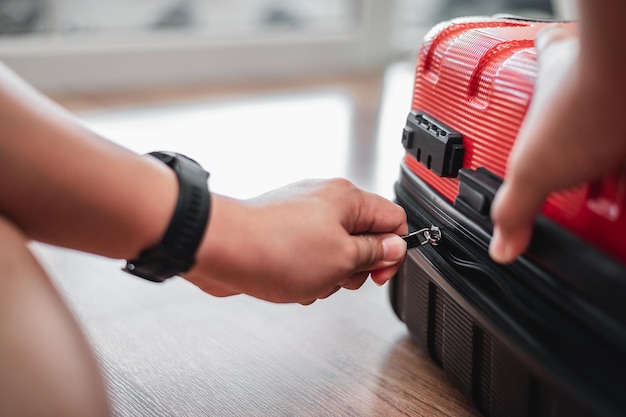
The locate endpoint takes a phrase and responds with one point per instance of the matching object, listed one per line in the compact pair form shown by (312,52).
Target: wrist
(219,256)
(156,201)
(175,251)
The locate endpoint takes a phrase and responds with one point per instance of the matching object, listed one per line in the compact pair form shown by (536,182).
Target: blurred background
(69,46)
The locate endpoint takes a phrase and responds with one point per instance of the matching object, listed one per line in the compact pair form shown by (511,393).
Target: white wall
(97,61)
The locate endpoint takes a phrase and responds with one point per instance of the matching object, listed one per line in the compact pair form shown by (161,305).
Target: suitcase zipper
(530,318)
(443,258)
(453,254)
(428,235)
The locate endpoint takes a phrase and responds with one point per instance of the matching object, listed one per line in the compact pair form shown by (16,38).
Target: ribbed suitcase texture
(482,366)
(545,336)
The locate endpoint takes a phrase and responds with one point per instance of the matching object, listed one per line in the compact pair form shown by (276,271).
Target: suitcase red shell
(477,76)
(546,334)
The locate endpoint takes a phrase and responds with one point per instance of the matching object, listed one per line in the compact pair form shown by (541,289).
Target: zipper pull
(428,235)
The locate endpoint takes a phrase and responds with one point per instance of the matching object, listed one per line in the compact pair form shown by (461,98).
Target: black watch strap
(176,252)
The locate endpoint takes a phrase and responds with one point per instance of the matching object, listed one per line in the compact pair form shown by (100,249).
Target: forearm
(62,184)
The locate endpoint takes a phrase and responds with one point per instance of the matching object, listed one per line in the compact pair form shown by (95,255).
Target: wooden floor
(170,350)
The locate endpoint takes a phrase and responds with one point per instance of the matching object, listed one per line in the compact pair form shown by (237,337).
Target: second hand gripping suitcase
(545,335)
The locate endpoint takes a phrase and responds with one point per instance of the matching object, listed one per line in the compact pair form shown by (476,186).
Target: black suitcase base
(528,339)
(482,366)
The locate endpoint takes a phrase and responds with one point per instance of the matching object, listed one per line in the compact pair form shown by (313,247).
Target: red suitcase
(477,76)
(546,335)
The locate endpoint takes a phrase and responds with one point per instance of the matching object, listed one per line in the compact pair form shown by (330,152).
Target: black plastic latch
(434,145)
(476,192)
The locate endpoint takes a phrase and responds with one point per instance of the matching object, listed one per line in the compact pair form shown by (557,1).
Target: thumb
(557,49)
(376,251)
(548,37)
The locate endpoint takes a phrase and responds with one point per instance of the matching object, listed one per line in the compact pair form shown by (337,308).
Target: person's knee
(46,365)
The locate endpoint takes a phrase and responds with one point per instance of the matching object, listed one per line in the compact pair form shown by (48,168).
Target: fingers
(394,250)
(381,216)
(356,281)
(331,292)
(381,276)
(537,165)
(513,212)
(379,254)
(375,251)
(353,283)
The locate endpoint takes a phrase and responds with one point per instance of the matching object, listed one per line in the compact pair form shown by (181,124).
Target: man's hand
(300,243)
(570,136)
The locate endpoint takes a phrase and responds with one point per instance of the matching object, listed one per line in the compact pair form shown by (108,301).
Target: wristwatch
(176,251)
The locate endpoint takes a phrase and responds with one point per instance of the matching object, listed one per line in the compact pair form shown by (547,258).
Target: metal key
(428,235)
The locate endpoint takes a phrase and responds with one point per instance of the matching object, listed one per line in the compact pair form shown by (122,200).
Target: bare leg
(46,365)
